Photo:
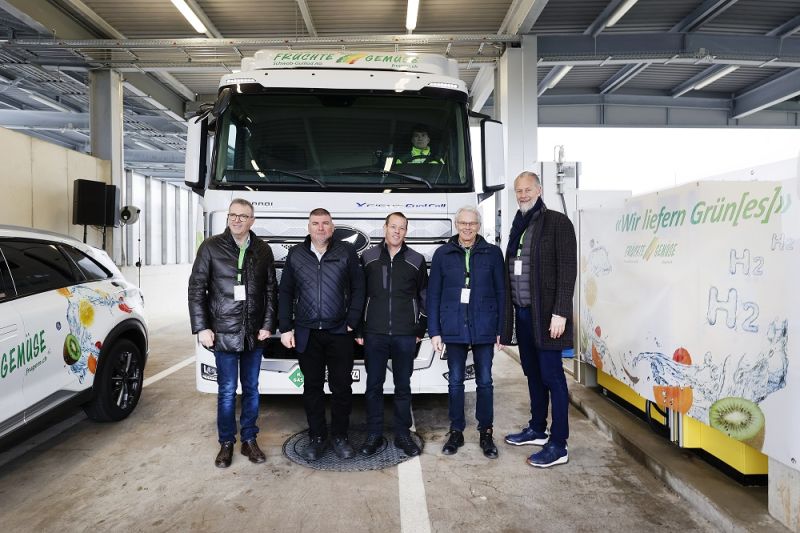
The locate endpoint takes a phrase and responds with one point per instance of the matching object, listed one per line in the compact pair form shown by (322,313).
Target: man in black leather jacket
(233,309)
(321,299)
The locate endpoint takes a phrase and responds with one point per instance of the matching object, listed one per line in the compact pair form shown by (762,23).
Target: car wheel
(118,383)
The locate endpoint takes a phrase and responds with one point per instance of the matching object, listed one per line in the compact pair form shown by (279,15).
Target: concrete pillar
(106,130)
(516,107)
(784,494)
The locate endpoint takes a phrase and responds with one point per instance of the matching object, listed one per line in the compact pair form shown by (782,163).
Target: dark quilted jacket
(554,266)
(211,305)
(327,294)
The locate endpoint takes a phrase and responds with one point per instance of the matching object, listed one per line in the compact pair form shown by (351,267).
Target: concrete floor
(155,472)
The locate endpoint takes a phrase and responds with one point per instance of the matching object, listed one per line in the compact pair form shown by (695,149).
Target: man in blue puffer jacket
(466,295)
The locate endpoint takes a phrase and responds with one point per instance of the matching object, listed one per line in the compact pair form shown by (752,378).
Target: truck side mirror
(493,155)
(197,153)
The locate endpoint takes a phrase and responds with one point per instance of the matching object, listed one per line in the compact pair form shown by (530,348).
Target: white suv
(71,330)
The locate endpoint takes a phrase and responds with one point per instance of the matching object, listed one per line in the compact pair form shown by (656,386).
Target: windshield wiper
(389,173)
(304,177)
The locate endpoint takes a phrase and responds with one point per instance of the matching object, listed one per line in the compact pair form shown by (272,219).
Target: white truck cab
(293,131)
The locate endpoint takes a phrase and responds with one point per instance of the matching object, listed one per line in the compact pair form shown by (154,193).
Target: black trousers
(334,353)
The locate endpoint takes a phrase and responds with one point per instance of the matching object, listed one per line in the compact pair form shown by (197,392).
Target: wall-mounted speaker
(88,203)
(94,203)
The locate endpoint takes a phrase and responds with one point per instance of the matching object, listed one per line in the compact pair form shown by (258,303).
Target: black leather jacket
(396,292)
(327,294)
(211,304)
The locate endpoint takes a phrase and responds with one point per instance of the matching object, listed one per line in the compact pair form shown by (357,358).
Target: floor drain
(386,456)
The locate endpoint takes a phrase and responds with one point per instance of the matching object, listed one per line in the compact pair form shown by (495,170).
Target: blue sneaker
(549,456)
(528,436)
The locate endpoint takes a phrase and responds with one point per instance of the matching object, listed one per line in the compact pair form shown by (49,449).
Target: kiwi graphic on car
(72,349)
(740,419)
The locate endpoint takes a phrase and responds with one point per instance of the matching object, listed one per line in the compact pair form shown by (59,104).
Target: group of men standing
(327,298)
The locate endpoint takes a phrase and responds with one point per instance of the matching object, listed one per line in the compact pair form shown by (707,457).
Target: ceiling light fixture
(411,15)
(715,76)
(190,15)
(559,76)
(617,14)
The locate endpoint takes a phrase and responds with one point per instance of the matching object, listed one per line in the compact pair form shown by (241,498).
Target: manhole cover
(386,456)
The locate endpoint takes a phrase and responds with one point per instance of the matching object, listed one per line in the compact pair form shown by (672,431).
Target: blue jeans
(378,349)
(482,355)
(229,367)
(546,381)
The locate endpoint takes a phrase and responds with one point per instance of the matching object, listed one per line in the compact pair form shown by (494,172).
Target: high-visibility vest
(418,156)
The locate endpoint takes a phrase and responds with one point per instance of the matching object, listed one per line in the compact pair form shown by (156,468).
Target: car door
(43,277)
(12,403)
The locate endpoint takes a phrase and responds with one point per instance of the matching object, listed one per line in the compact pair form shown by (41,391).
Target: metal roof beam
(306,13)
(155,156)
(711,47)
(79,121)
(622,76)
(634,100)
(601,21)
(482,87)
(787,28)
(705,12)
(521,16)
(779,89)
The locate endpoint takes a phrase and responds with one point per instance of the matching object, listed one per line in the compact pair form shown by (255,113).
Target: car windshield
(343,141)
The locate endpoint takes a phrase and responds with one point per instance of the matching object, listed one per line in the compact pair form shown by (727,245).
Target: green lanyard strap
(521,240)
(242,250)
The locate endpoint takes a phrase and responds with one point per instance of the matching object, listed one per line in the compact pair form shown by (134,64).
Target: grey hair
(468,209)
(245,203)
(528,174)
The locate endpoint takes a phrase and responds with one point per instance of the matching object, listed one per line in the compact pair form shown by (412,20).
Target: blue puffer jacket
(479,322)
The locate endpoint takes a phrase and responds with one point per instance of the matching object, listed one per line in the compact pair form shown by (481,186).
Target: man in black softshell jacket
(233,309)
(321,299)
(394,322)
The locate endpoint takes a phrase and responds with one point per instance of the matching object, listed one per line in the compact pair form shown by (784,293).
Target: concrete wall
(36,179)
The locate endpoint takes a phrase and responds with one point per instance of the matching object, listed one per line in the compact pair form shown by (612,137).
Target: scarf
(519,225)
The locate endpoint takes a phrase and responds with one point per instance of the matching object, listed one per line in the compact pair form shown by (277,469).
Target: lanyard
(242,250)
(521,240)
(466,263)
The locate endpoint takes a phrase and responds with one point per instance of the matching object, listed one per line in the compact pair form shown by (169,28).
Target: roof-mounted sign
(327,59)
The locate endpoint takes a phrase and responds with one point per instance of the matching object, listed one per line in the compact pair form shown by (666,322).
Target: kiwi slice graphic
(740,419)
(72,349)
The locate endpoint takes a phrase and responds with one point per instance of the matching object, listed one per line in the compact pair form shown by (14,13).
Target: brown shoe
(253,452)
(224,456)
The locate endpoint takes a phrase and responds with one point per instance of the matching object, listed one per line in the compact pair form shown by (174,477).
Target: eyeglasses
(240,218)
(468,224)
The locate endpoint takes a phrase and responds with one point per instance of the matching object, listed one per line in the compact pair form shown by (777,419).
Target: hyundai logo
(355,237)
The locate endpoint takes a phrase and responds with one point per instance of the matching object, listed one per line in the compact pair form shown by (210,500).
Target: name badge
(238,293)
(517,267)
(465,296)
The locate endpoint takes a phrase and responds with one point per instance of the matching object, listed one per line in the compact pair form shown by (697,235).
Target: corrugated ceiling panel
(354,16)
(442,16)
(255,18)
(568,16)
(143,19)
(653,15)
(663,77)
(753,16)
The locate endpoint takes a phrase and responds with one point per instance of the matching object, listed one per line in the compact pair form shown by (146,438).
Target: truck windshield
(343,141)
